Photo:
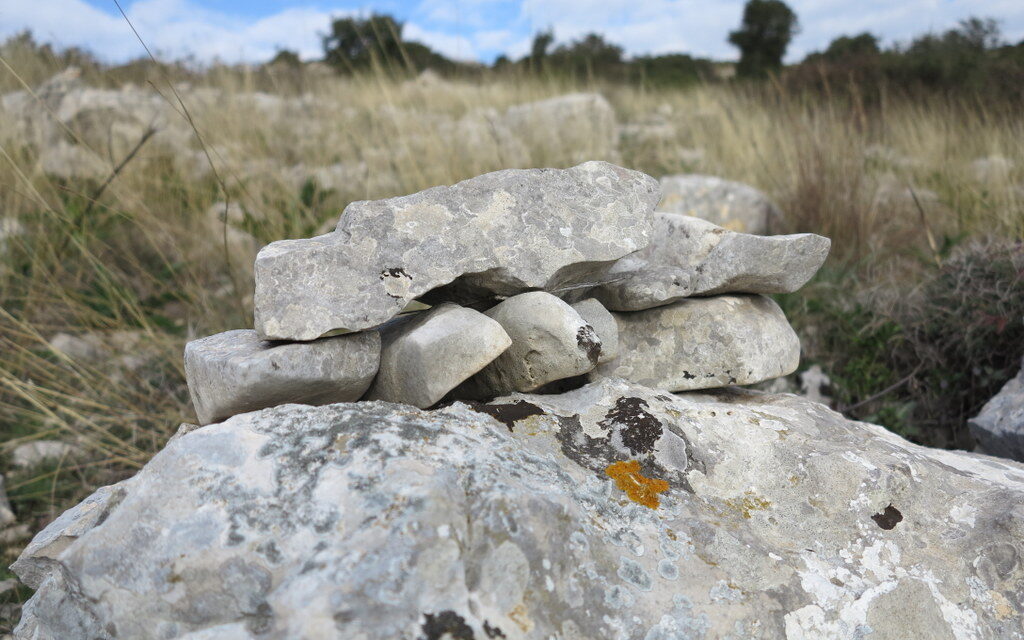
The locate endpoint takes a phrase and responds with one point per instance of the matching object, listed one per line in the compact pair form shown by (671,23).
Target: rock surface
(583,123)
(6,514)
(550,341)
(426,356)
(999,428)
(503,233)
(37,451)
(732,205)
(692,257)
(597,316)
(234,372)
(702,343)
(613,511)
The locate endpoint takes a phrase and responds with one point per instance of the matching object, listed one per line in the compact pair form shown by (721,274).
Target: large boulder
(613,511)
(732,205)
(999,428)
(703,343)
(499,233)
(688,256)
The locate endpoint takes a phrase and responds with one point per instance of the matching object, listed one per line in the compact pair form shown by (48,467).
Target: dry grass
(145,268)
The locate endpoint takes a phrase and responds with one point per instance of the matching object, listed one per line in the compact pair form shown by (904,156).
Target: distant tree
(852,47)
(673,69)
(591,55)
(286,58)
(767,28)
(539,49)
(357,43)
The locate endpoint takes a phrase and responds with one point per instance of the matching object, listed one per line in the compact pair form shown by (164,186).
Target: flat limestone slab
(425,357)
(236,372)
(702,343)
(500,233)
(550,341)
(716,260)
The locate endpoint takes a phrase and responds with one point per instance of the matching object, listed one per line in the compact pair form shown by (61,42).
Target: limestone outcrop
(611,511)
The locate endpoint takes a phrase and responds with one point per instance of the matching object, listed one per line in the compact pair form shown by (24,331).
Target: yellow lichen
(749,502)
(637,487)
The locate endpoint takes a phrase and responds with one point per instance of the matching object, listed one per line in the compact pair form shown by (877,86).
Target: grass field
(132,270)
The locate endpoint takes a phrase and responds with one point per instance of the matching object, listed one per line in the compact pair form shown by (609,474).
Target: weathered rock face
(503,232)
(550,341)
(692,257)
(701,343)
(235,371)
(732,205)
(999,428)
(425,357)
(613,511)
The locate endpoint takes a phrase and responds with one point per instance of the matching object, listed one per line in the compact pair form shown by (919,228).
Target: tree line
(972,55)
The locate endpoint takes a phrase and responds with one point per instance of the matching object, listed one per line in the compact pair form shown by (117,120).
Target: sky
(254,30)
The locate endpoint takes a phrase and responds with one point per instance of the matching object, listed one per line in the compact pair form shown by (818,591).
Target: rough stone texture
(999,428)
(692,257)
(702,343)
(503,232)
(770,517)
(595,314)
(550,341)
(425,356)
(732,205)
(234,372)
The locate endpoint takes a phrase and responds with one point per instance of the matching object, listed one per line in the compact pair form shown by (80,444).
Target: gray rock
(702,343)
(692,257)
(499,233)
(37,451)
(6,514)
(613,511)
(999,428)
(425,356)
(732,205)
(550,341)
(595,314)
(580,126)
(235,372)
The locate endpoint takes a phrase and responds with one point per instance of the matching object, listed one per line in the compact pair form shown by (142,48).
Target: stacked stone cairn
(514,281)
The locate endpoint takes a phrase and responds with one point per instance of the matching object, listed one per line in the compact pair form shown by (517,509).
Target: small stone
(702,343)
(85,348)
(501,233)
(550,341)
(814,383)
(597,316)
(236,372)
(999,428)
(6,514)
(425,356)
(732,205)
(38,451)
(692,257)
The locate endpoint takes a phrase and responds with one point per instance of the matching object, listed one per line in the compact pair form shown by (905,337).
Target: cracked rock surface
(500,233)
(612,511)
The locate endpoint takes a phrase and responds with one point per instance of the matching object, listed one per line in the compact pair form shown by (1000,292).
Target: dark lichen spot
(446,625)
(638,429)
(493,632)
(688,376)
(508,414)
(587,340)
(889,518)
(394,272)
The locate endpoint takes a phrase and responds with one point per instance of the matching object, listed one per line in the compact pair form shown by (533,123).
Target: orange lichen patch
(638,488)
